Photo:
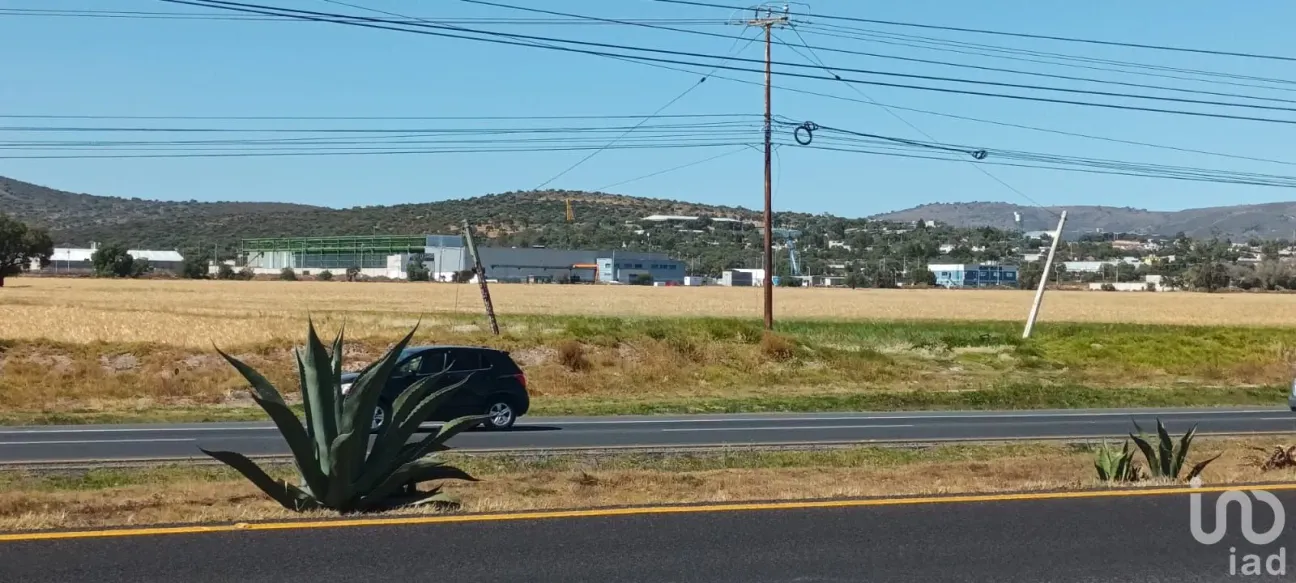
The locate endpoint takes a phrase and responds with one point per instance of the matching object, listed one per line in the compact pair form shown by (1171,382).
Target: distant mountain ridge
(1265,221)
(77,219)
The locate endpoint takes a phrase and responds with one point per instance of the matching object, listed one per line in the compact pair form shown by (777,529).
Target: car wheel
(502,414)
(382,413)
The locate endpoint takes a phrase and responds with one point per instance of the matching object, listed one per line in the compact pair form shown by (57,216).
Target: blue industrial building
(974,275)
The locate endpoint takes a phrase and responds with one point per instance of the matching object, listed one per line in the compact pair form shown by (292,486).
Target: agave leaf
(275,489)
(260,385)
(341,481)
(1184,443)
(1197,469)
(435,497)
(323,387)
(1166,453)
(357,412)
(303,500)
(438,439)
(268,397)
(419,470)
(1148,453)
(410,414)
(303,449)
(336,353)
(306,400)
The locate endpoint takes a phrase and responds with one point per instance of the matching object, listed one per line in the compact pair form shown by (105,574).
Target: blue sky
(88,66)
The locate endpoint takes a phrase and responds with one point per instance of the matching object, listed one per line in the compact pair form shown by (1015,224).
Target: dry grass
(205,495)
(196,313)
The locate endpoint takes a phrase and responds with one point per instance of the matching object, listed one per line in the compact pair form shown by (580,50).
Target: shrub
(776,347)
(338,467)
(571,354)
(352,273)
(288,274)
(1166,461)
(325,275)
(224,271)
(246,274)
(1108,287)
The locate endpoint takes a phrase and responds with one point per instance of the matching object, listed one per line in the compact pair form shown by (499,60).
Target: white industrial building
(78,260)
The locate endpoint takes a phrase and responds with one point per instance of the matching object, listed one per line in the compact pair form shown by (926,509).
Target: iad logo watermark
(1250,564)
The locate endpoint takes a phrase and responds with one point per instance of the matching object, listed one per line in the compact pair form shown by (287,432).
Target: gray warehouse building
(444,255)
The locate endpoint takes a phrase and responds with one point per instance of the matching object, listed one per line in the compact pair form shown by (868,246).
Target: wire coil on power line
(809,128)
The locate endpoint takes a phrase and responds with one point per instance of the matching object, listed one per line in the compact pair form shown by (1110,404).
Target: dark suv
(496,387)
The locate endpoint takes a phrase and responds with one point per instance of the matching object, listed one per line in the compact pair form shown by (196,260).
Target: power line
(1014,34)
(723,59)
(815,58)
(370,152)
(147,15)
(368,118)
(593,153)
(674,168)
(891,57)
(946,90)
(654,114)
(1021,54)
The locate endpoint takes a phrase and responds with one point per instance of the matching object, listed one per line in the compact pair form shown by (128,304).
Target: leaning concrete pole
(1048,266)
(481,277)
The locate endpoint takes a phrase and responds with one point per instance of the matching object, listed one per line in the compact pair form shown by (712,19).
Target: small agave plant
(1115,466)
(339,469)
(1166,460)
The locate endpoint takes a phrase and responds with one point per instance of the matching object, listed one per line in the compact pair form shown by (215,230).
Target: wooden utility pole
(766,18)
(481,277)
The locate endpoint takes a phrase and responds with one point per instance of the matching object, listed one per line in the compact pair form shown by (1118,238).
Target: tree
(113,261)
(140,266)
(19,245)
(415,270)
(195,264)
(921,276)
(855,280)
(1029,274)
(1209,276)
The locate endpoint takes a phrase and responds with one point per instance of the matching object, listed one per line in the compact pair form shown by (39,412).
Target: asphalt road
(127,442)
(1131,539)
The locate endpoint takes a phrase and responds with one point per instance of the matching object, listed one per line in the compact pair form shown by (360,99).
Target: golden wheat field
(197,313)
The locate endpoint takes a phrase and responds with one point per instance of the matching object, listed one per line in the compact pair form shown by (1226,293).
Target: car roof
(413,349)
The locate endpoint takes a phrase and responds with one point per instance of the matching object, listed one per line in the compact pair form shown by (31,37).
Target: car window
(466,360)
(433,362)
(410,366)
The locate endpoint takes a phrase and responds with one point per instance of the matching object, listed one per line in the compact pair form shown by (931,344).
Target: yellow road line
(594,513)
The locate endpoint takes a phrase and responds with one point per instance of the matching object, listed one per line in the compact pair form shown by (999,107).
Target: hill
(77,219)
(1266,221)
(539,217)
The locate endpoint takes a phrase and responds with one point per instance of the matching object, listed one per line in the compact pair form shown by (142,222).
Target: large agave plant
(339,469)
(1166,460)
